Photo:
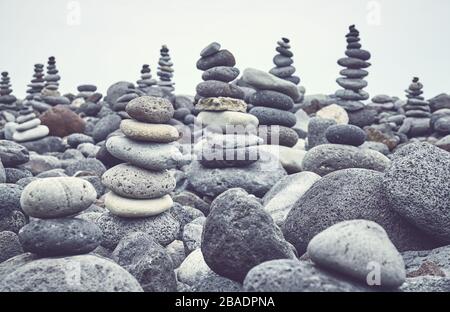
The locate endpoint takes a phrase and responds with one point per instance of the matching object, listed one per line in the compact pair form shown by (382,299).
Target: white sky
(115,37)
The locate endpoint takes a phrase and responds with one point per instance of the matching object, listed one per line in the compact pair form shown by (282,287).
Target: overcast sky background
(115,37)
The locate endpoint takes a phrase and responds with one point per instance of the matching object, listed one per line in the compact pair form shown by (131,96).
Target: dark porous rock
(439,102)
(57,275)
(295,276)
(317,128)
(61,121)
(12,154)
(91,165)
(273,99)
(423,284)
(273,116)
(163,228)
(150,109)
(105,126)
(278,135)
(215,88)
(220,58)
(238,235)
(348,195)
(60,237)
(346,134)
(76,139)
(9,198)
(256,179)
(184,214)
(221,73)
(13,174)
(12,220)
(417,185)
(50,144)
(215,283)
(327,158)
(96,183)
(363,117)
(147,261)
(9,245)
(25,181)
(117,90)
(187,198)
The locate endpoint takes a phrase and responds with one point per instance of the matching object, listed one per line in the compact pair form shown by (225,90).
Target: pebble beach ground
(250,184)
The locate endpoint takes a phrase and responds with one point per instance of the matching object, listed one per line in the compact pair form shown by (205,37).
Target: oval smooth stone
(224,119)
(57,197)
(220,58)
(221,73)
(60,237)
(137,208)
(31,134)
(132,182)
(140,131)
(150,109)
(215,88)
(273,116)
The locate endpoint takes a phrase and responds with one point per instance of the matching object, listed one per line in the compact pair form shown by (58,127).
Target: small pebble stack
(417,111)
(165,70)
(50,93)
(7,100)
(352,82)
(283,62)
(55,232)
(37,83)
(222,111)
(27,127)
(140,188)
(146,80)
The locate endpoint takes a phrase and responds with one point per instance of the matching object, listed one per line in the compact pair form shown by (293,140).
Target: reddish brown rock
(62,121)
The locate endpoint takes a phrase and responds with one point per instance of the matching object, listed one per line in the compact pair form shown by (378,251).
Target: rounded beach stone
(221,104)
(417,185)
(346,134)
(60,237)
(31,134)
(210,49)
(140,131)
(219,58)
(57,197)
(347,195)
(273,99)
(130,181)
(221,73)
(355,248)
(9,245)
(13,154)
(163,228)
(137,208)
(150,109)
(153,156)
(221,120)
(273,116)
(238,234)
(335,112)
(278,135)
(215,88)
(51,275)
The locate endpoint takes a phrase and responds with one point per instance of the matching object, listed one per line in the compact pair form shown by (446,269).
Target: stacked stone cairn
(26,128)
(146,80)
(417,112)
(352,82)
(50,93)
(55,231)
(165,70)
(283,62)
(141,187)
(229,138)
(7,100)
(37,83)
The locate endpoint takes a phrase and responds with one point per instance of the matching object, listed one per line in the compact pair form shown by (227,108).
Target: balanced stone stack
(417,111)
(229,139)
(275,120)
(55,232)
(141,187)
(37,83)
(165,70)
(146,80)
(27,127)
(50,93)
(283,62)
(7,100)
(352,82)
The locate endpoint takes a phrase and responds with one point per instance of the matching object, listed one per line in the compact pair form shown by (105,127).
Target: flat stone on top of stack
(223,111)
(37,83)
(352,82)
(417,111)
(7,100)
(146,80)
(165,70)
(283,62)
(54,232)
(140,187)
